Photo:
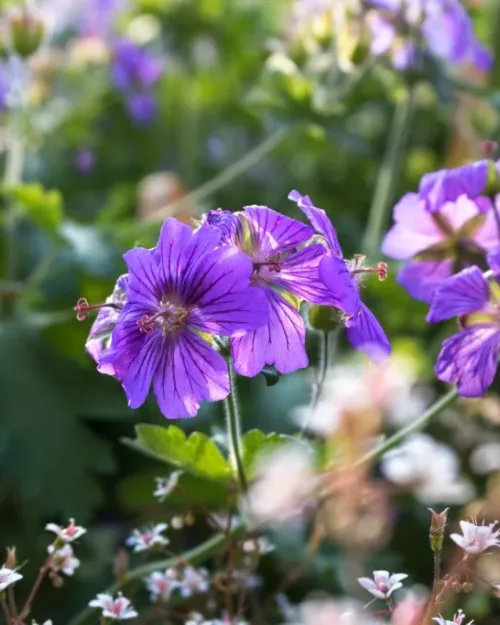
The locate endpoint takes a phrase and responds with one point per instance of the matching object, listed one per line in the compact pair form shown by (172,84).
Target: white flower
(161,585)
(476,538)
(259,545)
(383,584)
(430,468)
(67,534)
(8,577)
(285,484)
(486,458)
(117,609)
(458,619)
(148,538)
(63,560)
(193,581)
(165,486)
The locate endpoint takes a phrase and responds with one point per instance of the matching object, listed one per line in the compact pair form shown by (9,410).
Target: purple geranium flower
(342,277)
(440,241)
(179,295)
(442,26)
(283,270)
(469,358)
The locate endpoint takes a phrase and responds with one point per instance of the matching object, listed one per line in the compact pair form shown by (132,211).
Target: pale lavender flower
(383,583)
(84,160)
(66,534)
(118,609)
(150,538)
(193,581)
(476,538)
(8,577)
(63,560)
(161,585)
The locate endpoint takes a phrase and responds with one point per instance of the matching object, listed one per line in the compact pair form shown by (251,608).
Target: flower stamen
(83,308)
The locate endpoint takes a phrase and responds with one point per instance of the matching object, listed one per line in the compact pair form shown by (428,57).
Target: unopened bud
(456,586)
(323,318)
(437,529)
(467,587)
(489,148)
(11,559)
(26,31)
(189,518)
(121,564)
(56,579)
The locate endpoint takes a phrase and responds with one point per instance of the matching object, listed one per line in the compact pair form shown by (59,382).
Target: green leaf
(197,453)
(44,207)
(256,442)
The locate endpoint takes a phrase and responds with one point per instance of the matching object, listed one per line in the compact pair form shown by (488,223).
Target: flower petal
(281,342)
(470,359)
(140,371)
(219,289)
(464,293)
(145,279)
(189,372)
(319,220)
(446,185)
(367,335)
(343,290)
(420,278)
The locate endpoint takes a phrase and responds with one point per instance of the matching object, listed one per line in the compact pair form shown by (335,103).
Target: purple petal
(470,359)
(447,185)
(420,278)
(229,224)
(145,279)
(458,213)
(141,369)
(368,336)
(300,275)
(281,342)
(142,107)
(319,220)
(272,232)
(482,58)
(488,235)
(219,289)
(383,33)
(343,290)
(189,372)
(494,262)
(414,231)
(462,294)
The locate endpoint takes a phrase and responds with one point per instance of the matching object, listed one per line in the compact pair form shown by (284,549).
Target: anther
(83,308)
(489,148)
(146,323)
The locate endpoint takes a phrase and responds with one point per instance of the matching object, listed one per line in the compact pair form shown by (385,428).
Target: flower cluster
(450,232)
(61,558)
(238,277)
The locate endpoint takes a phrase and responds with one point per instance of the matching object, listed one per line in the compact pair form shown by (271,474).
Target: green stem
(225,177)
(233,422)
(194,556)
(389,172)
(414,426)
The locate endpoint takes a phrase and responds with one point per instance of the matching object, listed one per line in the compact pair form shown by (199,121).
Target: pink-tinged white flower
(165,486)
(119,609)
(63,560)
(143,540)
(66,534)
(329,612)
(8,577)
(383,583)
(476,538)
(161,585)
(410,611)
(284,486)
(458,619)
(193,581)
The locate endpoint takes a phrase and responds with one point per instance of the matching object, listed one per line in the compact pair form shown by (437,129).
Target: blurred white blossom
(63,560)
(458,619)
(143,540)
(383,583)
(193,581)
(165,486)
(161,585)
(8,577)
(66,534)
(486,458)
(428,467)
(476,538)
(118,609)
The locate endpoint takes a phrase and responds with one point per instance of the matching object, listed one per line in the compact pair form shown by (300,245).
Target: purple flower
(84,160)
(134,72)
(439,241)
(179,295)
(98,17)
(283,270)
(341,278)
(444,27)
(469,358)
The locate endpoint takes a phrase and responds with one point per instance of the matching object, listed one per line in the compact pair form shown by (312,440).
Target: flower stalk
(233,422)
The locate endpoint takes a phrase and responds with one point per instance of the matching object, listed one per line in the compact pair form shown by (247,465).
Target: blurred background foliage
(227,88)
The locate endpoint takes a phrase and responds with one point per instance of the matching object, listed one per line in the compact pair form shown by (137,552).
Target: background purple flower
(469,358)
(84,160)
(178,293)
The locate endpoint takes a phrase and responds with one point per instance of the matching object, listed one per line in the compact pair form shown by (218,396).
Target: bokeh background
(243,105)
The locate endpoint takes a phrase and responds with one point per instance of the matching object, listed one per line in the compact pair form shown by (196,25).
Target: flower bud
(26,32)
(121,564)
(11,559)
(323,318)
(437,528)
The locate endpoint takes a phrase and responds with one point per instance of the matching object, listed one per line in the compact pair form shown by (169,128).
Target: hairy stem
(194,556)
(437,571)
(414,426)
(389,172)
(6,613)
(233,423)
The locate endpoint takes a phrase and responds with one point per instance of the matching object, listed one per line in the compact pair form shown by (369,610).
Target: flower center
(170,318)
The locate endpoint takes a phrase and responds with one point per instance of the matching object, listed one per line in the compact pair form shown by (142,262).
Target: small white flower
(165,486)
(257,545)
(118,609)
(193,581)
(161,585)
(49,622)
(476,538)
(142,540)
(458,619)
(8,577)
(67,534)
(63,560)
(383,584)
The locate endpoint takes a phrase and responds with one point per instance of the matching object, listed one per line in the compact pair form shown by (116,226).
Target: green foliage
(44,207)
(257,443)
